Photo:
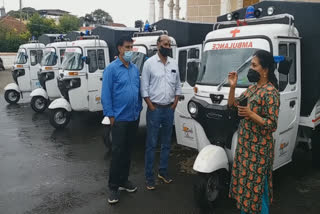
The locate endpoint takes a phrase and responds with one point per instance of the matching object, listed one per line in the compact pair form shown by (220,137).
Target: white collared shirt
(160,82)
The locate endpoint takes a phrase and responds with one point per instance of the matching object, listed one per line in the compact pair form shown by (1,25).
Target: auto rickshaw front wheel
(59,118)
(39,104)
(208,189)
(12,96)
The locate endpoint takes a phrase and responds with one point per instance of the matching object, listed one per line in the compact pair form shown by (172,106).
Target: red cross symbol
(234,32)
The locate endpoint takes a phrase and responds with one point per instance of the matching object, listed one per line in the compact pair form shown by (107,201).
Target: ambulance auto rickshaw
(50,65)
(80,80)
(25,69)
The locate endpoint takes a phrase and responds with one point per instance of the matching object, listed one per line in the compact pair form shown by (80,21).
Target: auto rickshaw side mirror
(284,64)
(86,59)
(55,58)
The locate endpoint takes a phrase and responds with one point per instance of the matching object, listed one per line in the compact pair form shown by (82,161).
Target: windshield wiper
(238,70)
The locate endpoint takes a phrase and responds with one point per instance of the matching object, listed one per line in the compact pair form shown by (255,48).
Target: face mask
(127,56)
(165,51)
(253,76)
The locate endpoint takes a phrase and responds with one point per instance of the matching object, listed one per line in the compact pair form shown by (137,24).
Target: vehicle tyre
(316,147)
(12,96)
(39,104)
(207,190)
(59,118)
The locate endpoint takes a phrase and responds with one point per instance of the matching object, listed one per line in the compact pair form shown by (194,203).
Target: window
(247,3)
(93,65)
(283,79)
(194,53)
(39,56)
(101,59)
(62,51)
(192,72)
(182,65)
(288,50)
(293,68)
(33,57)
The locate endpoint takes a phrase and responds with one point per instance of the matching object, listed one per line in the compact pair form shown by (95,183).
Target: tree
(97,17)
(82,20)
(88,18)
(68,23)
(138,24)
(26,13)
(101,17)
(10,39)
(38,25)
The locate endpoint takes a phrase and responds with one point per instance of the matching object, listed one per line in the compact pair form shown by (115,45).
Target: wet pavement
(46,171)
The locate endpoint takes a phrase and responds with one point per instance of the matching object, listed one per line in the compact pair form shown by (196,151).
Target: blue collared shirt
(160,82)
(120,95)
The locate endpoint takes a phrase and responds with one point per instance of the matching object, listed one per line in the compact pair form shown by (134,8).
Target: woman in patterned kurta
(251,182)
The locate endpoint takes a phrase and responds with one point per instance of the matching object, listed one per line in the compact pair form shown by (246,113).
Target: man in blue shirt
(122,104)
(160,88)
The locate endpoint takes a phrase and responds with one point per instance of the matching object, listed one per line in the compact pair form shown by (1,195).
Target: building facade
(2,12)
(209,10)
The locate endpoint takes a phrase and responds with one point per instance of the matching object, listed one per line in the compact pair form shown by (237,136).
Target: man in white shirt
(160,88)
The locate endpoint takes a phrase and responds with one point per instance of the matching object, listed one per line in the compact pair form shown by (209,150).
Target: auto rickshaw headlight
(192,108)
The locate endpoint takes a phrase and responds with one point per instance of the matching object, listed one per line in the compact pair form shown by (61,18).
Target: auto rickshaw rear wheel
(59,118)
(12,96)
(39,104)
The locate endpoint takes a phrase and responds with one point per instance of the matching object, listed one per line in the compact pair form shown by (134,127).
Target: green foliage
(26,13)
(68,23)
(97,17)
(101,16)
(38,25)
(10,40)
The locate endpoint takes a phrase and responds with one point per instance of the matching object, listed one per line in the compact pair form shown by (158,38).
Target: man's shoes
(165,178)
(128,186)
(150,185)
(113,196)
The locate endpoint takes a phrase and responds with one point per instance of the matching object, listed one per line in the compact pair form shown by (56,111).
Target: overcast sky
(122,11)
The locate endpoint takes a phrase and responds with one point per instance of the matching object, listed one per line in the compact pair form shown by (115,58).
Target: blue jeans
(265,199)
(159,122)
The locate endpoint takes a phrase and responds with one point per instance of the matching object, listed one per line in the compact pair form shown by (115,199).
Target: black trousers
(123,137)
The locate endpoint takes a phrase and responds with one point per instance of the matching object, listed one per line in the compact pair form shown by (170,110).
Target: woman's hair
(266,61)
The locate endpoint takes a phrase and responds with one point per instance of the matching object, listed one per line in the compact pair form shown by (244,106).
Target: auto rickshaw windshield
(21,56)
(50,57)
(72,60)
(216,64)
(138,59)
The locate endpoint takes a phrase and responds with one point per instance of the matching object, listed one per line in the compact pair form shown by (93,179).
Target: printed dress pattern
(255,149)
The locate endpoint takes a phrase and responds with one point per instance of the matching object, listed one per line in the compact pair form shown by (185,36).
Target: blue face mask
(127,56)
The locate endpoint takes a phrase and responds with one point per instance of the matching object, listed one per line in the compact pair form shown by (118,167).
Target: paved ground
(44,171)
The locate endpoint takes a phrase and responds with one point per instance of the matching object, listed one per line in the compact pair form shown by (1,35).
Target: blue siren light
(250,12)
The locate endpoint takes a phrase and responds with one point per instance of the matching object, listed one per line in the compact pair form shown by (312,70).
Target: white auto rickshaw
(50,65)
(24,72)
(208,125)
(80,80)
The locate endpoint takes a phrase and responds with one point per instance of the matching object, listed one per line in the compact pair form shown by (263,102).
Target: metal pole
(20,10)
(152,13)
(161,3)
(171,6)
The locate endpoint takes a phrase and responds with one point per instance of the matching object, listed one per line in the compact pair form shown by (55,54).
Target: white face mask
(127,56)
